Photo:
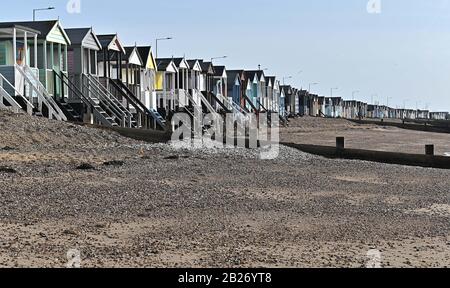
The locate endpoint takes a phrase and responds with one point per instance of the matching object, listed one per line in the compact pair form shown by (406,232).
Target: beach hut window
(49,56)
(5,53)
(93,62)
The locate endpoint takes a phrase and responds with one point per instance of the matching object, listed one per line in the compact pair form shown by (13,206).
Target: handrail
(119,85)
(129,95)
(197,107)
(232,104)
(221,104)
(262,106)
(112,105)
(41,97)
(108,96)
(64,78)
(207,104)
(250,102)
(118,115)
(42,91)
(87,100)
(30,106)
(14,105)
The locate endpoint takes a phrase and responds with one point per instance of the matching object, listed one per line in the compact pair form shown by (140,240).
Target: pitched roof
(252,73)
(144,52)
(287,89)
(206,66)
(18,26)
(105,40)
(219,71)
(271,79)
(191,62)
(77,36)
(44,27)
(232,75)
(129,50)
(194,64)
(176,61)
(163,63)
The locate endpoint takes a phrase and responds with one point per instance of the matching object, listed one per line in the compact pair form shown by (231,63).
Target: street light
(404,103)
(215,58)
(387,100)
(332,89)
(41,9)
(353,94)
(372,97)
(161,39)
(264,69)
(299,73)
(417,104)
(287,77)
(311,84)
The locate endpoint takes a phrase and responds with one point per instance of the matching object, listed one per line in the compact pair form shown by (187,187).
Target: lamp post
(372,97)
(387,100)
(404,103)
(332,89)
(41,9)
(311,84)
(300,81)
(161,39)
(285,78)
(353,94)
(215,58)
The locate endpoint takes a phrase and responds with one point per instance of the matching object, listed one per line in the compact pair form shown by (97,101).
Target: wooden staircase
(88,99)
(110,107)
(33,97)
(13,100)
(146,118)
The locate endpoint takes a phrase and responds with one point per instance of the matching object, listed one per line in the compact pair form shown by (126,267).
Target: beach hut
(257,87)
(321,106)
(165,86)
(314,105)
(276,95)
(269,99)
(439,115)
(81,59)
(110,59)
(29,53)
(148,77)
(423,114)
(288,94)
(194,83)
(234,86)
(206,86)
(220,90)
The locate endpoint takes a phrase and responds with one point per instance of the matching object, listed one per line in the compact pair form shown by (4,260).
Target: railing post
(54,86)
(340,143)
(429,150)
(62,86)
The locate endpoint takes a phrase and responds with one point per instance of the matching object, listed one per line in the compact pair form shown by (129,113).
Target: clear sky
(402,53)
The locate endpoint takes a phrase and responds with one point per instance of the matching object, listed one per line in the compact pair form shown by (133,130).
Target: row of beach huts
(76,75)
